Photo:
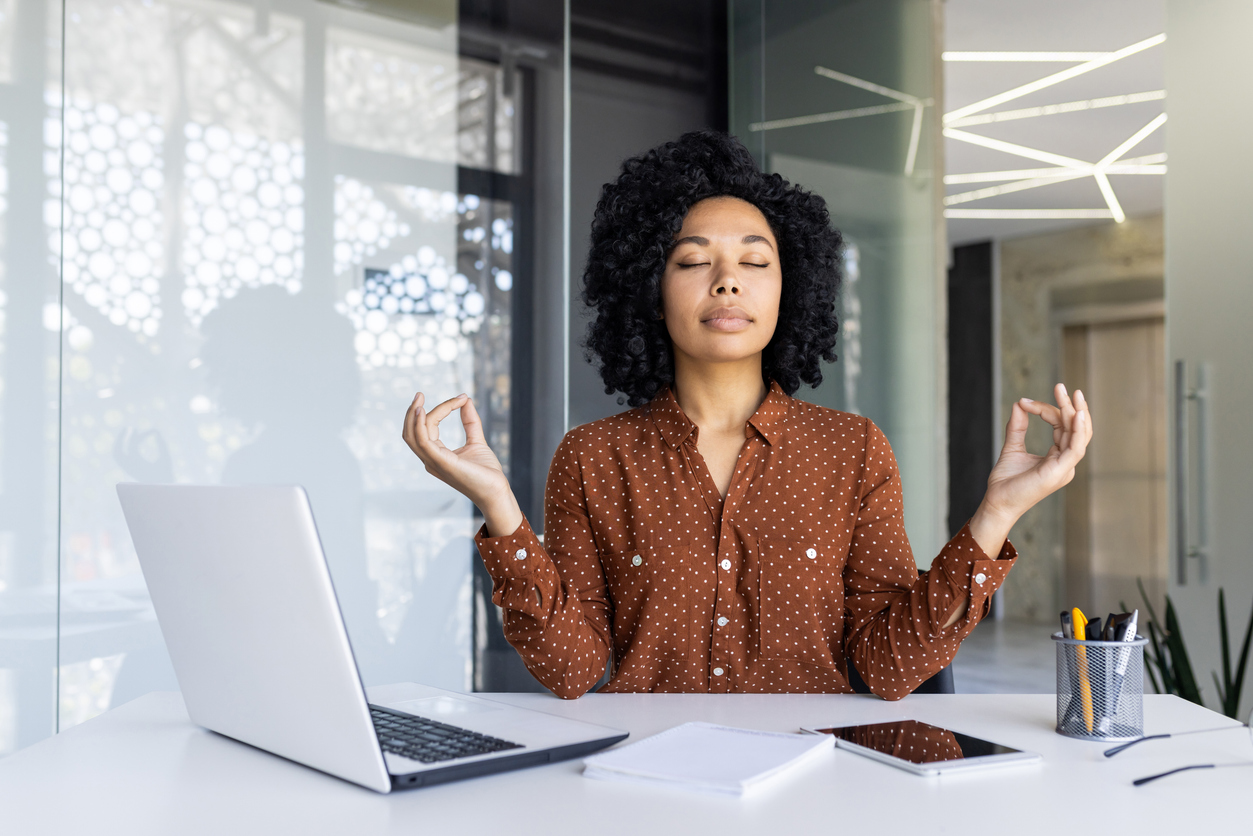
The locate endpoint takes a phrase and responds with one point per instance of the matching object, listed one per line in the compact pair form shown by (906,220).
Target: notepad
(707,757)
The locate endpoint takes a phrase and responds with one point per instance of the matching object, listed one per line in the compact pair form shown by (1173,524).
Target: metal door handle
(1184,547)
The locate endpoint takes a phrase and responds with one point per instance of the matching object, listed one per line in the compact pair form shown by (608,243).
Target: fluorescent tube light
(833,116)
(1052,110)
(1034,57)
(1050,80)
(1017,150)
(1024,214)
(1019,186)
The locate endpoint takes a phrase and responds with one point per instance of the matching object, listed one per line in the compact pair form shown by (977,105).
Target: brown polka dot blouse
(804,563)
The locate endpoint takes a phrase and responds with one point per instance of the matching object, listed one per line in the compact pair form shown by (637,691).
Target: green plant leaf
(1179,657)
(1225,645)
(1159,659)
(1237,685)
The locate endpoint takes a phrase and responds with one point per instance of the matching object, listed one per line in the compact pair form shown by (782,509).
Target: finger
(1066,405)
(408,430)
(1016,429)
(1082,403)
(1076,443)
(1049,413)
(438,414)
(428,449)
(472,423)
(1046,411)
(1068,410)
(1062,397)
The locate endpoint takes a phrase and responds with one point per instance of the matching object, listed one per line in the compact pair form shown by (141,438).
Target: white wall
(1209,290)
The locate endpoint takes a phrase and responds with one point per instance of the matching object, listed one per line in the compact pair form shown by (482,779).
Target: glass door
(842,98)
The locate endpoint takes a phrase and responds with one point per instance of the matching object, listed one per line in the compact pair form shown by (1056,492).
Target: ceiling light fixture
(1018,186)
(1107,191)
(1025,214)
(833,116)
(915,131)
(1035,57)
(1017,150)
(1071,169)
(1136,166)
(1052,110)
(1050,80)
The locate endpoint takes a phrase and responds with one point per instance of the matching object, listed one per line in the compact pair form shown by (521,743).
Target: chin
(724,353)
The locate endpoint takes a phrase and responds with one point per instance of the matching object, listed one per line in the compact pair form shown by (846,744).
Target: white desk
(144,769)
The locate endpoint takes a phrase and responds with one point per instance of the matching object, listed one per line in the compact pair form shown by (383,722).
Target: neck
(718,397)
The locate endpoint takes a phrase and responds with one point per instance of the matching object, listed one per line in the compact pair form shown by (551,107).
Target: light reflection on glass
(233,314)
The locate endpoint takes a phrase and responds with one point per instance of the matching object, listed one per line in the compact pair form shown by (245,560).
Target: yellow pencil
(1078,620)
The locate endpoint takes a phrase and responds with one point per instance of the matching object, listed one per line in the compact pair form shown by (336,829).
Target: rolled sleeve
(895,631)
(523,576)
(972,576)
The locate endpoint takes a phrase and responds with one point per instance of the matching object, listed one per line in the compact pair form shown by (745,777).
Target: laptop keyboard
(427,741)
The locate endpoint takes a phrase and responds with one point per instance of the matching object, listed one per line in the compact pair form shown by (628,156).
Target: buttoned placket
(728,558)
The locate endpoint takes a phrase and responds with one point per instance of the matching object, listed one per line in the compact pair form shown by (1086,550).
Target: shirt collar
(675,427)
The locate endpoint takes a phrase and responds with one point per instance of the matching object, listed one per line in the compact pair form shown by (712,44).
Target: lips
(727,319)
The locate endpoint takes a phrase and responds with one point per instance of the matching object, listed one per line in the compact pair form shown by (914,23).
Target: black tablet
(925,749)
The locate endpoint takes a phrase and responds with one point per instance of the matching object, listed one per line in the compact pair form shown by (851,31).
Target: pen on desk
(1092,630)
(1126,633)
(1068,632)
(1085,686)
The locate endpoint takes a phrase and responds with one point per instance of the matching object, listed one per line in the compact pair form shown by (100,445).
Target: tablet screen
(917,742)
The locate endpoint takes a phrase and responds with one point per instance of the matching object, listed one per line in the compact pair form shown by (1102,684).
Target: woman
(722,536)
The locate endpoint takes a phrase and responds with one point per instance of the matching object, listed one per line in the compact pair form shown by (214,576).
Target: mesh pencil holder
(1100,688)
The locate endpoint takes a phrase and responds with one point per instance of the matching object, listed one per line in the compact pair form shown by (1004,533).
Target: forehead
(725,216)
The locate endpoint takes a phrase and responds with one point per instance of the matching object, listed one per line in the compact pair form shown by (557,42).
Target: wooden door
(1116,508)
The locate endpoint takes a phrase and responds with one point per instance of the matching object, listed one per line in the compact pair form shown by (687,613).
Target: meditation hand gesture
(472,469)
(1020,480)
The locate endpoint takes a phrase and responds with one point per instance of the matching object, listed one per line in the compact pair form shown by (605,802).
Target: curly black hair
(633,233)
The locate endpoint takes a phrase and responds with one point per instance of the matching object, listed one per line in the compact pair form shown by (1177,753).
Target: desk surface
(144,769)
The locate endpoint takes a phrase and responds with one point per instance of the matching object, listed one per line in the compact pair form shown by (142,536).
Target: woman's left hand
(1020,480)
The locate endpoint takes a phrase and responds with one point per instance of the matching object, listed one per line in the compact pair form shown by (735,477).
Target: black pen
(1126,633)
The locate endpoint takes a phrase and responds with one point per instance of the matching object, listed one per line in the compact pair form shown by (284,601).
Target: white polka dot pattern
(805,562)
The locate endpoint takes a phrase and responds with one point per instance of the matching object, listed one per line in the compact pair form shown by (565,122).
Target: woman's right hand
(471,469)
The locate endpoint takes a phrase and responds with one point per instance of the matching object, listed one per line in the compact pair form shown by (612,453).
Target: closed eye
(694,264)
(754,264)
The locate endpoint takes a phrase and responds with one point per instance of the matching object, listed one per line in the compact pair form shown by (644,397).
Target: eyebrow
(704,242)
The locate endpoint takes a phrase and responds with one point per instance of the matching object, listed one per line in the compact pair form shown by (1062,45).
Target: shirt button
(811,553)
(726,564)
(722,621)
(637,560)
(520,554)
(717,671)
(980,578)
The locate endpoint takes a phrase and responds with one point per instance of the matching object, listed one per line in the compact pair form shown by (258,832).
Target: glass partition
(244,235)
(841,98)
(31,323)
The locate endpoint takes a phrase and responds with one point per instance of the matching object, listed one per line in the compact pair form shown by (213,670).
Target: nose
(727,284)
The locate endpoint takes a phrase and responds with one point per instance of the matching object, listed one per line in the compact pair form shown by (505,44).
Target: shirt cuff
(523,575)
(973,575)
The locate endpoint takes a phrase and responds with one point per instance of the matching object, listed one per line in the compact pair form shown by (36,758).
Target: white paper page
(706,756)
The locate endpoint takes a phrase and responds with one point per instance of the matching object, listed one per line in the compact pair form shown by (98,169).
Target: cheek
(675,300)
(769,310)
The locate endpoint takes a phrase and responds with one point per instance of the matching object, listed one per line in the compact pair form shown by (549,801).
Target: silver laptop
(244,598)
